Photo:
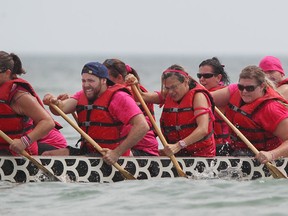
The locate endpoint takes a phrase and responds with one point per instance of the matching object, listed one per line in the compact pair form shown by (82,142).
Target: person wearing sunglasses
(259,112)
(213,77)
(22,115)
(187,119)
(274,71)
(118,70)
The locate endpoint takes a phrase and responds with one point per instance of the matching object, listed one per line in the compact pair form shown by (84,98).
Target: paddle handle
(157,129)
(235,129)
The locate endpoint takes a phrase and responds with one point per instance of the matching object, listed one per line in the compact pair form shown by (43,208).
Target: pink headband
(176,71)
(128,68)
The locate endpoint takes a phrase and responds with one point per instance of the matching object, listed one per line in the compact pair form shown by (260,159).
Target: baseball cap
(97,69)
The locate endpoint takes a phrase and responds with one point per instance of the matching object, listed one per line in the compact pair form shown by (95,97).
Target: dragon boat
(94,169)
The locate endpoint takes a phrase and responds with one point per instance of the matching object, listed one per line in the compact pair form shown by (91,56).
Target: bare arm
(139,129)
(203,120)
(148,97)
(221,97)
(283,90)
(151,97)
(67,105)
(282,151)
(25,104)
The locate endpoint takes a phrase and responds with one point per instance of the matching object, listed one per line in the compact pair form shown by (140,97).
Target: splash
(234,173)
(211,172)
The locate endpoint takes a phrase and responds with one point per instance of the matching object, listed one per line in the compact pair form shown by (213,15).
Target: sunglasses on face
(206,75)
(249,88)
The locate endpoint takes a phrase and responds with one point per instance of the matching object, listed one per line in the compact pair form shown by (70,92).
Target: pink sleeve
(271,115)
(76,96)
(232,88)
(123,107)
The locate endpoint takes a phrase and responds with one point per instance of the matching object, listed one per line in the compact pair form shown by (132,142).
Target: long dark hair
(11,62)
(218,68)
(116,67)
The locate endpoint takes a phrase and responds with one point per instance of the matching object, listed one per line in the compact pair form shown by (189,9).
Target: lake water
(179,196)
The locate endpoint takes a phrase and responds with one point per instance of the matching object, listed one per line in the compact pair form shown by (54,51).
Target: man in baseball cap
(103,108)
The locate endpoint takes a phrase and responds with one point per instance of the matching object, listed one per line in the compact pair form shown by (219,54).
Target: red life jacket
(283,82)
(242,116)
(221,129)
(11,123)
(178,121)
(98,123)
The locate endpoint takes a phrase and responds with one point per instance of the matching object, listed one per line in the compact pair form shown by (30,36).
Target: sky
(172,27)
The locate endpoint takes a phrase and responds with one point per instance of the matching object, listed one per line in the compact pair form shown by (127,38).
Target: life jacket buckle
(88,107)
(175,109)
(86,123)
(178,127)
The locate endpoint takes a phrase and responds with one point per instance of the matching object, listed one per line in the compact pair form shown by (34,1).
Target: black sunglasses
(206,76)
(249,88)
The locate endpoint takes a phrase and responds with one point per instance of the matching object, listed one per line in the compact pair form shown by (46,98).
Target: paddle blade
(177,166)
(50,175)
(128,175)
(124,172)
(276,173)
(181,173)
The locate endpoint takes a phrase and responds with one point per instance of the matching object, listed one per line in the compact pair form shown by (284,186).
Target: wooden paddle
(30,158)
(124,172)
(276,173)
(158,131)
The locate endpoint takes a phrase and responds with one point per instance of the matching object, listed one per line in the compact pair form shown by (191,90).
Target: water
(179,196)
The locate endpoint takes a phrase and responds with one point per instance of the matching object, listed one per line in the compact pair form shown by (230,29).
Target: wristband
(182,144)
(26,140)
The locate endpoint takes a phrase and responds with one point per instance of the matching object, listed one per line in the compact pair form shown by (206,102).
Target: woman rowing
(118,70)
(187,118)
(258,111)
(22,115)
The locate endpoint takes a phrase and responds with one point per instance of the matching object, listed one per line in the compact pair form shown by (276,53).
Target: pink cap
(271,63)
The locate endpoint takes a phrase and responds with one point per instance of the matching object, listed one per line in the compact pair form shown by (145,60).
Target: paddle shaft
(158,131)
(29,157)
(242,137)
(124,172)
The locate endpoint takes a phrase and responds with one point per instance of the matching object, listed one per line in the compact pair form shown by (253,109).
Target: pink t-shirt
(271,114)
(120,109)
(123,110)
(54,138)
